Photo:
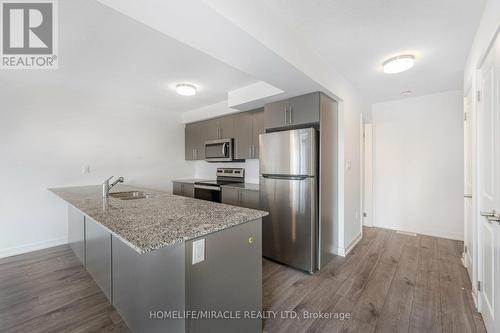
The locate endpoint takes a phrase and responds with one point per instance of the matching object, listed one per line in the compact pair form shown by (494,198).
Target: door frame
(468,259)
(478,269)
(367,175)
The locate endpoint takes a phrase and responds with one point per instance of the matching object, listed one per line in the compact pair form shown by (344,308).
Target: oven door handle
(224,149)
(205,187)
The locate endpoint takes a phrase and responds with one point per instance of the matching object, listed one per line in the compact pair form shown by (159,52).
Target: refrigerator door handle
(285,177)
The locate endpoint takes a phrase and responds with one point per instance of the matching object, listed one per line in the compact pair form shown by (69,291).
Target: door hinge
(465,249)
(478,286)
(465,116)
(479,96)
(364,215)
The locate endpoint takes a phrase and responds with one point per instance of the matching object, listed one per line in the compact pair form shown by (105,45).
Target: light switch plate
(198,251)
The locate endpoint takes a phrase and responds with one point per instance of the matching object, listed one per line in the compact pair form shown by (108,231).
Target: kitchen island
(169,263)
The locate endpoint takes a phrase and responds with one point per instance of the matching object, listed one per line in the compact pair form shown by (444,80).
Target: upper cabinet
(243,127)
(257,128)
(247,127)
(195,136)
(220,128)
(294,111)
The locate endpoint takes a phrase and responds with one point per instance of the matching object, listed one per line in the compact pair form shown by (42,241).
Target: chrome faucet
(106,186)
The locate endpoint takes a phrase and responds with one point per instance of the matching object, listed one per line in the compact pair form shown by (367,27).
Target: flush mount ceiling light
(185,89)
(398,64)
(406,92)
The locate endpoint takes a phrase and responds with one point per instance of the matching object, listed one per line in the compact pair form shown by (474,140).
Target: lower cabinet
(76,233)
(240,197)
(98,255)
(228,279)
(184,189)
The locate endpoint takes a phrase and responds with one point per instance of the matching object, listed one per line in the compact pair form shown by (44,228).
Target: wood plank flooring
(389,283)
(50,291)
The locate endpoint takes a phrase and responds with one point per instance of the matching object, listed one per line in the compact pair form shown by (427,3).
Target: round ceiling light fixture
(406,92)
(185,89)
(399,64)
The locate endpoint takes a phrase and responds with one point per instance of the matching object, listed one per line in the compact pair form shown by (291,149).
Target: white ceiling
(356,36)
(105,53)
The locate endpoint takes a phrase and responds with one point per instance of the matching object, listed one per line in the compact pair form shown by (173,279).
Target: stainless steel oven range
(211,190)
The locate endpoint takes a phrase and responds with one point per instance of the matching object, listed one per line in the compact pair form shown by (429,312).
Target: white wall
(418,165)
(47,135)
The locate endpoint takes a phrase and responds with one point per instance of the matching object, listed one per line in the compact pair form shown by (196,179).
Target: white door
(488,187)
(468,137)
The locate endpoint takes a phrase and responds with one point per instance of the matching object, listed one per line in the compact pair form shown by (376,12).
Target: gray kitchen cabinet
(257,129)
(226,127)
(276,114)
(250,199)
(247,127)
(243,136)
(195,137)
(220,128)
(98,255)
(189,143)
(183,189)
(240,197)
(212,126)
(230,196)
(233,258)
(304,109)
(244,127)
(294,111)
(76,233)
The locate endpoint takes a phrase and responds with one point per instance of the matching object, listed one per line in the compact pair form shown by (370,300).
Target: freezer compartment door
(289,152)
(289,231)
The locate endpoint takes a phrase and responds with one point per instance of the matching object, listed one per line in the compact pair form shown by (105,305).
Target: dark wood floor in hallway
(389,283)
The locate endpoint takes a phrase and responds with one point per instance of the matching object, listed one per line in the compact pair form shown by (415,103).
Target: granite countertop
(152,223)
(244,186)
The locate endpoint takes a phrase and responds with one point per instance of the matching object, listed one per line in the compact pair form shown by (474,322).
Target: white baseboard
(432,233)
(341,251)
(15,250)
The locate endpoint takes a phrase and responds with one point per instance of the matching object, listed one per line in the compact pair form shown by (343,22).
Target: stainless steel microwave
(220,150)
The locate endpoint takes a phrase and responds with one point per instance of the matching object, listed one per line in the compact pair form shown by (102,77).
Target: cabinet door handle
(286,115)
(253,151)
(290,114)
(250,151)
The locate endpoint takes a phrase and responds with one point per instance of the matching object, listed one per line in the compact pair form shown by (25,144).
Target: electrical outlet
(198,251)
(85,169)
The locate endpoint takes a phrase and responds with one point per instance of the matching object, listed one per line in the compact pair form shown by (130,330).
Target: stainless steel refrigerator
(289,192)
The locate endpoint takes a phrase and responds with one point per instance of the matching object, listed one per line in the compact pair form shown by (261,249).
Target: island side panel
(98,255)
(147,286)
(76,233)
(229,279)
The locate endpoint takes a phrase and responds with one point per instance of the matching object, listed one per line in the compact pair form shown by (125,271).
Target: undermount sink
(131,195)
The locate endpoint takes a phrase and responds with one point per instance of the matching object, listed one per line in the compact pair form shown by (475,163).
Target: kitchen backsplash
(205,170)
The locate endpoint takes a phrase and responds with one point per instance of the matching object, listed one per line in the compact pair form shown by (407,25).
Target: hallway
(390,282)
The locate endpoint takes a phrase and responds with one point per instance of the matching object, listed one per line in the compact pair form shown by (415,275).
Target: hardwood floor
(389,283)
(49,291)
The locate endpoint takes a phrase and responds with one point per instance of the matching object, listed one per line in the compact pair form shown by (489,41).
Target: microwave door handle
(224,149)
